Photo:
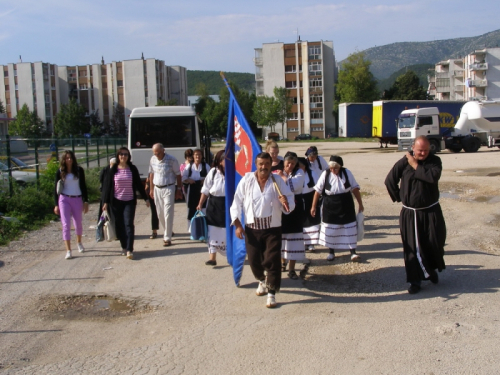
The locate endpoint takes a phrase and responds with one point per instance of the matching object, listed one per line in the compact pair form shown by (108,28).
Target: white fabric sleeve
(321,183)
(237,206)
(208,183)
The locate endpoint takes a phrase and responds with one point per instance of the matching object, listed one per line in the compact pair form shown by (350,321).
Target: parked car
(303,137)
(22,177)
(17,164)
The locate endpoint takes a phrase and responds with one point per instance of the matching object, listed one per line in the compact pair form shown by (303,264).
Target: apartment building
(98,87)
(474,77)
(34,84)
(307,70)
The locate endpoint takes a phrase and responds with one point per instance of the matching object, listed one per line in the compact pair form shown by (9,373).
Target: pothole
(90,307)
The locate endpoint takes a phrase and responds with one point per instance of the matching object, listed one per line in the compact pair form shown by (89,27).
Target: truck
(176,127)
(386,116)
(355,120)
(478,125)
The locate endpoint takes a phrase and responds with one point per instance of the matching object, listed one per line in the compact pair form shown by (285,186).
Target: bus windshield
(406,121)
(177,131)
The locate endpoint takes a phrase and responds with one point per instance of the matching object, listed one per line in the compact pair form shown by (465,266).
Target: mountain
(214,82)
(392,57)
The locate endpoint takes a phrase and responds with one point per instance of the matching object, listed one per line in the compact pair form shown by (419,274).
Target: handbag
(99,229)
(198,227)
(109,228)
(360,221)
(60,186)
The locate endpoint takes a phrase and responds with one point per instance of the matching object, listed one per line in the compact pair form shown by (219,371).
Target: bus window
(170,131)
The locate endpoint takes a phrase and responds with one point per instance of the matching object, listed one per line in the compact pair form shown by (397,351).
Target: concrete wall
(328,85)
(133,84)
(493,73)
(151,79)
(273,68)
(39,90)
(25,85)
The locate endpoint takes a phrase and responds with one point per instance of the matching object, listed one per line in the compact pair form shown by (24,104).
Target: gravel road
(167,313)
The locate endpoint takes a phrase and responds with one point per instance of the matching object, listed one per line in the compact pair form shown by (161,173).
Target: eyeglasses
(123,154)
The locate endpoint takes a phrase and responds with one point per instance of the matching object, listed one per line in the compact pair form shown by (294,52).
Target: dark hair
(74,165)
(312,150)
(129,159)
(337,159)
(305,163)
(188,153)
(263,155)
(219,157)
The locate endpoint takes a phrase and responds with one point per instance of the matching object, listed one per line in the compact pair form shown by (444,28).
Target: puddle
(90,307)
(448,195)
(488,172)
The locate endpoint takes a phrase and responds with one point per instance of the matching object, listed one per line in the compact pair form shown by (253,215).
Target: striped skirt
(216,240)
(311,235)
(292,246)
(339,236)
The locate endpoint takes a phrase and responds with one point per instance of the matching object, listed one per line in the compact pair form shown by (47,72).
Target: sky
(222,34)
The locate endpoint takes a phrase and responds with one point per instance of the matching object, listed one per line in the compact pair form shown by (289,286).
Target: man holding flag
(262,198)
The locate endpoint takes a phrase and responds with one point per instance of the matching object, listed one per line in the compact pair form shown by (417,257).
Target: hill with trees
(214,83)
(421,70)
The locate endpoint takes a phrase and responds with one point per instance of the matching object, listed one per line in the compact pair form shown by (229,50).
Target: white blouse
(195,174)
(337,183)
(71,185)
(308,189)
(214,185)
(296,183)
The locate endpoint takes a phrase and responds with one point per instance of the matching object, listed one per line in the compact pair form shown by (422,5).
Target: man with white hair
(164,173)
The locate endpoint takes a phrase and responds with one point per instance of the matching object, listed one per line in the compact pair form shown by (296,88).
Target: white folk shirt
(308,189)
(296,182)
(315,165)
(165,170)
(214,185)
(260,204)
(195,171)
(336,182)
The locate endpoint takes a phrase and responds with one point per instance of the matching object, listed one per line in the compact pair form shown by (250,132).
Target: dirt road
(168,313)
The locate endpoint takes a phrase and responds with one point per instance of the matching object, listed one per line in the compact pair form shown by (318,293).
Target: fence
(23,159)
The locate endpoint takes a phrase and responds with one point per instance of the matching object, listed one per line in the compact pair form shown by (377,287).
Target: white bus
(176,127)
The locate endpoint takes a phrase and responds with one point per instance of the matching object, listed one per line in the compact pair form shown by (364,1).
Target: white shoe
(68,254)
(355,258)
(271,301)
(81,249)
(261,289)
(311,247)
(330,257)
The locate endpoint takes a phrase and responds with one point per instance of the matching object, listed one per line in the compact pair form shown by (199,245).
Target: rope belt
(417,243)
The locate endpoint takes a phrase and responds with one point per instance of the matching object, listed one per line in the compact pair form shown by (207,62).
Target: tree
(406,87)
(355,81)
(96,125)
(117,123)
(163,103)
(266,111)
(27,124)
(2,108)
(71,120)
(284,103)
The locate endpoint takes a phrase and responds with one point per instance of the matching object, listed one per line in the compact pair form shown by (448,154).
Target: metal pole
(98,155)
(36,165)
(72,143)
(9,165)
(87,151)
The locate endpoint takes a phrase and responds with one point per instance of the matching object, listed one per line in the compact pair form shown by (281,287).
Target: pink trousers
(70,208)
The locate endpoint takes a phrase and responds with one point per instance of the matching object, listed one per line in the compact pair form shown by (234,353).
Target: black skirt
(339,209)
(216,211)
(292,223)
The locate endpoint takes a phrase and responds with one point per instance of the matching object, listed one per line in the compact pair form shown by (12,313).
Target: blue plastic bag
(198,227)
(99,230)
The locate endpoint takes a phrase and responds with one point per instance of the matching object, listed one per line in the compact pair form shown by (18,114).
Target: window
(315,68)
(442,82)
(316,101)
(5,73)
(424,120)
(290,53)
(290,69)
(7,87)
(119,83)
(314,52)
(316,114)
(83,87)
(15,72)
(170,131)
(291,84)
(315,82)
(293,116)
(17,87)
(296,100)
(318,129)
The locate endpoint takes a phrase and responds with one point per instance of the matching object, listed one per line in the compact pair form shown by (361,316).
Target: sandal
(167,243)
(153,235)
(293,275)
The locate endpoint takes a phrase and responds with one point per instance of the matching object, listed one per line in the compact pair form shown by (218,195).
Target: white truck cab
(413,123)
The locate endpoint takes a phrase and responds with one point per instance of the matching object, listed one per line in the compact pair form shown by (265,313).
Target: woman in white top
(292,238)
(312,225)
(316,163)
(338,225)
(215,190)
(193,175)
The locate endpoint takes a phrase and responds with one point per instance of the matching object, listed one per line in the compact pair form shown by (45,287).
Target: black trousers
(264,254)
(124,212)
(155,223)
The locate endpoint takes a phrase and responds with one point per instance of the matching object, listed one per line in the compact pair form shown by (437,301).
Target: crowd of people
(290,205)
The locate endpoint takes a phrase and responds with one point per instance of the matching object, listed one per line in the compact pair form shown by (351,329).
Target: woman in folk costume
(292,238)
(214,189)
(338,226)
(193,175)
(312,225)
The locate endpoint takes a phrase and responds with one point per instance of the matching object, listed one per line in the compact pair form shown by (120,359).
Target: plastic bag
(99,229)
(198,227)
(109,228)
(360,220)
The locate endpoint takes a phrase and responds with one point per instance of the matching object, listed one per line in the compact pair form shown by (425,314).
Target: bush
(9,230)
(30,205)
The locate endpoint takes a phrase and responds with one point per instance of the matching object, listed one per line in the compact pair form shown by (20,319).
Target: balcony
(458,73)
(476,82)
(478,98)
(258,61)
(259,76)
(478,66)
(443,74)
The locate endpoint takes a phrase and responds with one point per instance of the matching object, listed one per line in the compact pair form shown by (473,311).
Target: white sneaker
(81,249)
(68,254)
(355,258)
(311,247)
(271,301)
(261,289)
(330,257)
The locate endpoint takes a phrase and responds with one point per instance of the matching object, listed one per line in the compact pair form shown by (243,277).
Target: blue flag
(241,149)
